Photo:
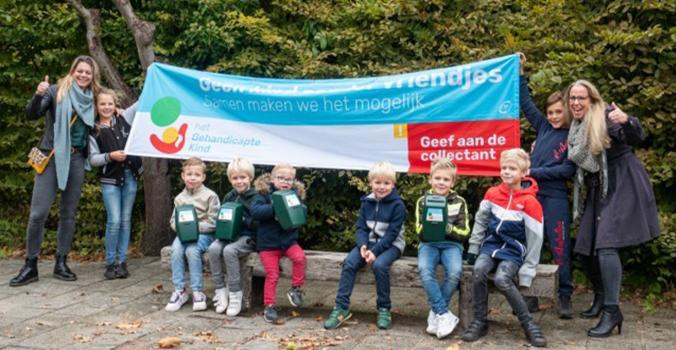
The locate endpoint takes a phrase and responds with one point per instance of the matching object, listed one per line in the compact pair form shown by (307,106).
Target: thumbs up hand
(617,115)
(43,86)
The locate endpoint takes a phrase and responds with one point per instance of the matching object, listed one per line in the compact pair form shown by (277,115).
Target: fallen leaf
(82,338)
(169,342)
(206,336)
(295,313)
(546,306)
(454,346)
(157,289)
(128,326)
(319,318)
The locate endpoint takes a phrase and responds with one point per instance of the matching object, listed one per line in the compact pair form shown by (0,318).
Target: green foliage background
(625,47)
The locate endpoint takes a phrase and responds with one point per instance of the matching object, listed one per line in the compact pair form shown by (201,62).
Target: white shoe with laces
(178,298)
(446,324)
(235,306)
(432,323)
(221,300)
(199,301)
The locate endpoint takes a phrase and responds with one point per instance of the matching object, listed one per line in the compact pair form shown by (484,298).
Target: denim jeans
(193,253)
(44,193)
(449,254)
(119,202)
(381,269)
(504,282)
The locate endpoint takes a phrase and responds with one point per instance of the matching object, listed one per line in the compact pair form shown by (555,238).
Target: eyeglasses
(284,180)
(577,98)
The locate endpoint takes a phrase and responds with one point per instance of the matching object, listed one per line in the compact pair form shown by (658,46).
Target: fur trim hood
(263,185)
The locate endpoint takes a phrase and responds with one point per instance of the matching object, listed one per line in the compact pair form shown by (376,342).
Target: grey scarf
(75,101)
(580,154)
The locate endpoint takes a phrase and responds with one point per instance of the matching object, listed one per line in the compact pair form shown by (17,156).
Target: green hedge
(624,47)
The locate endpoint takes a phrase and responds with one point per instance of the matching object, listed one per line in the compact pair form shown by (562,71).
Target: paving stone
(83,314)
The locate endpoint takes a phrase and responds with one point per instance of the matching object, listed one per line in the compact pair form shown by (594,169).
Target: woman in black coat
(619,209)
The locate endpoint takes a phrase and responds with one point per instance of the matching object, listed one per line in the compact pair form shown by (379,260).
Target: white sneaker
(221,300)
(235,305)
(446,324)
(178,298)
(432,323)
(199,301)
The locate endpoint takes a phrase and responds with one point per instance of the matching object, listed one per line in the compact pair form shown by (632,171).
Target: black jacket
(246,199)
(114,138)
(46,105)
(271,235)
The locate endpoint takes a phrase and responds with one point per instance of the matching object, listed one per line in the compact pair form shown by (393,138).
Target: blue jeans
(381,269)
(449,254)
(193,253)
(119,202)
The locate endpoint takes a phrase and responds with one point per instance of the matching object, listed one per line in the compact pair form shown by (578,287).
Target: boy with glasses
(273,241)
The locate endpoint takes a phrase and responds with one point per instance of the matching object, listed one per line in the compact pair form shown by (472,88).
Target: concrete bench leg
(465,301)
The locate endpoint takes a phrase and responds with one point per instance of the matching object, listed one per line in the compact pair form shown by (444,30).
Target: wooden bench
(326,266)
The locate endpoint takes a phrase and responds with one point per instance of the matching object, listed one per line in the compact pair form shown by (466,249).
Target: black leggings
(605,272)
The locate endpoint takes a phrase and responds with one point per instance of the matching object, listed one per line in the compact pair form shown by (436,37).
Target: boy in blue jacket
(380,241)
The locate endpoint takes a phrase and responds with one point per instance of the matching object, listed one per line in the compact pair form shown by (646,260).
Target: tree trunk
(92,19)
(156,181)
(157,185)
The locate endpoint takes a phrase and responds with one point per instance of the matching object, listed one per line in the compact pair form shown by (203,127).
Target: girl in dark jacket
(118,176)
(273,241)
(620,209)
(68,108)
(551,168)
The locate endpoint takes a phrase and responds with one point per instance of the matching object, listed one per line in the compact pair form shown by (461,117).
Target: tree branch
(92,19)
(143,31)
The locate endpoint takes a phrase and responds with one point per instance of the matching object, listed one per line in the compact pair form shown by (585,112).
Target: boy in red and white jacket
(507,238)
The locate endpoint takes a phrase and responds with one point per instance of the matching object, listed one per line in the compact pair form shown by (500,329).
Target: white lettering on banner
(226,140)
(462,77)
(459,155)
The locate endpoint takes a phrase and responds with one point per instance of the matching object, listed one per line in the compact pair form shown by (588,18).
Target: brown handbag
(39,160)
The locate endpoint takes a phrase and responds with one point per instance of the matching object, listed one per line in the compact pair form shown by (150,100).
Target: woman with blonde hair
(619,209)
(68,108)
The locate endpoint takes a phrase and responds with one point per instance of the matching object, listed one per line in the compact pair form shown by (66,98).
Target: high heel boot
(61,270)
(27,274)
(595,308)
(611,316)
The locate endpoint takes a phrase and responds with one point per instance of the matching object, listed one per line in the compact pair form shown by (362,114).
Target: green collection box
(435,214)
(187,228)
(229,221)
(289,210)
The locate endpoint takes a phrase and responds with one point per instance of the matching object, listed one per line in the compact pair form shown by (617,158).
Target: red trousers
(270,261)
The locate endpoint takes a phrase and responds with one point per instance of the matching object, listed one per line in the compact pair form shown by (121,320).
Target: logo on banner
(164,113)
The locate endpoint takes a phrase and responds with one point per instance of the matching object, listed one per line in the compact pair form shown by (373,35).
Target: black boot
(595,309)
(611,316)
(476,330)
(565,308)
(110,272)
(27,274)
(122,271)
(61,270)
(534,334)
